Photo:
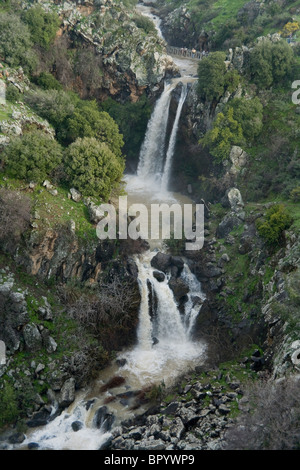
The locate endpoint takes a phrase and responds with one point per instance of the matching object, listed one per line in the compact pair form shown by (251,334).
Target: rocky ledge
(193,416)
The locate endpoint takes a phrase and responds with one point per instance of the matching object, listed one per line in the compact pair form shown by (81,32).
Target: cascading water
(155,139)
(165,346)
(168,163)
(155,165)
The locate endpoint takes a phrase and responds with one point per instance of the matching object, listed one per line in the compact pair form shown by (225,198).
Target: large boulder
(161,262)
(233,200)
(32,337)
(179,287)
(67,393)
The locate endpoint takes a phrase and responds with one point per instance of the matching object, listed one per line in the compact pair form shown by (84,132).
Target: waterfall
(165,346)
(154,165)
(152,151)
(171,148)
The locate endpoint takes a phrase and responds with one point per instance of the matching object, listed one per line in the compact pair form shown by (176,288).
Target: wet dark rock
(177,261)
(77,425)
(226,226)
(89,404)
(121,362)
(224,410)
(179,288)
(33,445)
(159,276)
(161,262)
(103,419)
(17,438)
(40,418)
(171,409)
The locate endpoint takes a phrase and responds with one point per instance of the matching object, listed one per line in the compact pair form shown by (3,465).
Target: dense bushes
(275,222)
(87,121)
(33,157)
(214,78)
(92,167)
(8,405)
(132,119)
(238,124)
(270,62)
(211,72)
(42,25)
(15,43)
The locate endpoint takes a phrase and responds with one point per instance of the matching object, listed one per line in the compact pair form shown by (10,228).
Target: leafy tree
(88,121)
(42,25)
(12,93)
(33,156)
(226,131)
(144,23)
(211,76)
(15,43)
(276,221)
(249,114)
(92,167)
(214,78)
(270,62)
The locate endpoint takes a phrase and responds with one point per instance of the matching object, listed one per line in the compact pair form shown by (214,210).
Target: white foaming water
(152,151)
(165,347)
(59,434)
(168,163)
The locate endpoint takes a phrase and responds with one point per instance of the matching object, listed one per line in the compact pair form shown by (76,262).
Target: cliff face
(129,56)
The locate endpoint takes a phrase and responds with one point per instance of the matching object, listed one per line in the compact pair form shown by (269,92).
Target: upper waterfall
(154,166)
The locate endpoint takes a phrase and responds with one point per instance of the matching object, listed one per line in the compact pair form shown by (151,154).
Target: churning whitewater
(165,347)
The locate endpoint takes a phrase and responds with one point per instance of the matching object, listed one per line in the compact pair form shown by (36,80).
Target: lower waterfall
(165,347)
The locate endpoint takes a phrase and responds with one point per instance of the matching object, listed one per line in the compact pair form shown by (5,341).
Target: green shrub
(15,43)
(88,121)
(226,132)
(214,78)
(144,23)
(46,81)
(33,157)
(92,167)
(275,222)
(8,405)
(211,76)
(295,194)
(54,105)
(249,114)
(12,93)
(42,25)
(270,62)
